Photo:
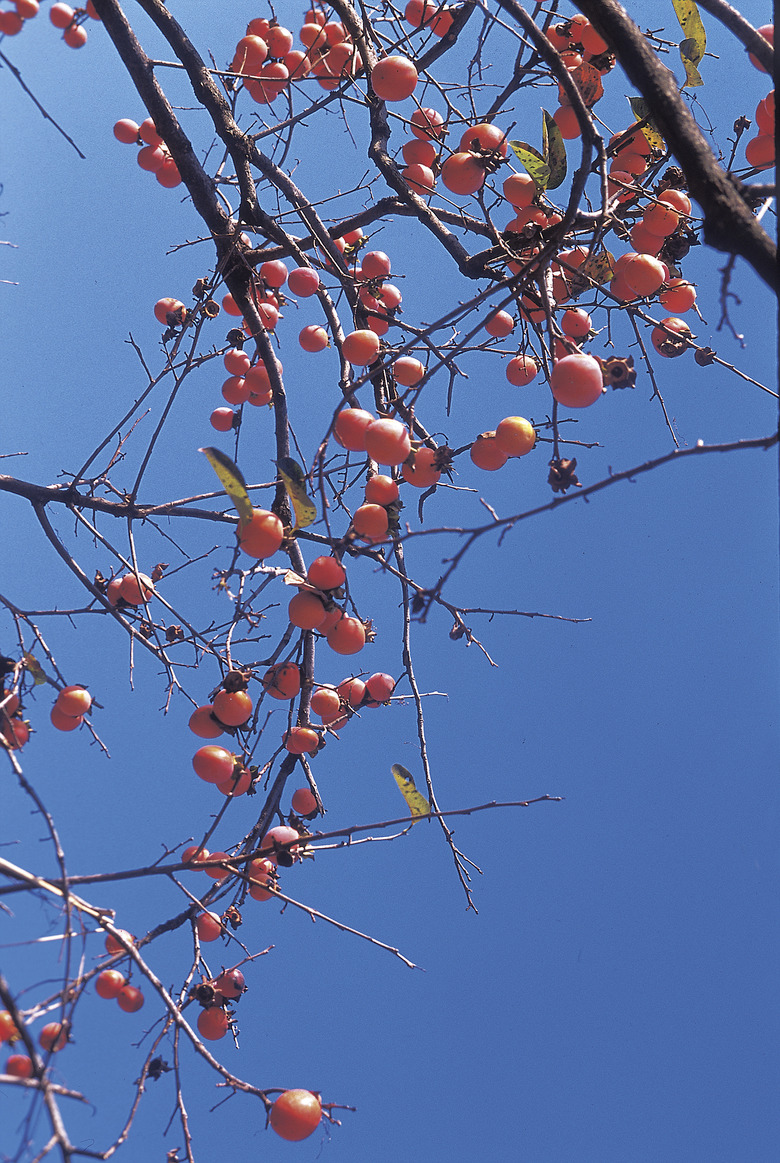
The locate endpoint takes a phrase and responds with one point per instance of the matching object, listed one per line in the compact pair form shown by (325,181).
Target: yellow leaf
(232,482)
(533,161)
(36,670)
(418,805)
(641,110)
(692,48)
(295,483)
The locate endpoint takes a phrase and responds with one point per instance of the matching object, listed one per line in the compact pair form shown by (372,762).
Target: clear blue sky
(615,997)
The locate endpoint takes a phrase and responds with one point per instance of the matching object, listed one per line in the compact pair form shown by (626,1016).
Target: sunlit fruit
(348,636)
(375,264)
(136,590)
(213,764)
(203,724)
(126,131)
(678,295)
(380,687)
(283,681)
(576,323)
(222,419)
(521,370)
(360,347)
(670,339)
(283,836)
(231,984)
(304,802)
(463,173)
(53,1036)
(381,490)
(19,1066)
(394,78)
(262,535)
(515,435)
(576,381)
(208,926)
(130,999)
(326,573)
(370,521)
(212,1023)
(519,189)
(113,946)
(485,453)
(303,281)
(306,611)
(233,707)
(301,741)
(422,471)
(387,441)
(500,324)
(296,1114)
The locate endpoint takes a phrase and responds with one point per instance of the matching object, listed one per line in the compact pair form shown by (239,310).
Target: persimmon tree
(282,600)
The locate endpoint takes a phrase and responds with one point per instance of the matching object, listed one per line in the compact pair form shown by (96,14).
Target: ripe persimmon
(381,490)
(109,983)
(208,926)
(303,281)
(485,453)
(576,381)
(130,999)
(515,436)
(19,1066)
(387,441)
(463,173)
(213,764)
(348,636)
(422,471)
(212,1023)
(282,681)
(262,535)
(296,1114)
(326,573)
(306,610)
(361,347)
(64,722)
(222,419)
(136,590)
(521,370)
(304,802)
(394,78)
(301,740)
(233,707)
(54,1035)
(203,723)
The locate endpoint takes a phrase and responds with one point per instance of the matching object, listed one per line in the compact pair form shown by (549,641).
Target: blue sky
(614,998)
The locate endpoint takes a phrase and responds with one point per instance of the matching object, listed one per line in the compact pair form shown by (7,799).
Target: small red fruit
(296,1114)
(301,741)
(109,983)
(394,78)
(304,802)
(74,700)
(130,999)
(53,1036)
(19,1066)
(233,707)
(348,636)
(203,724)
(262,535)
(208,926)
(213,1023)
(576,381)
(326,573)
(282,681)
